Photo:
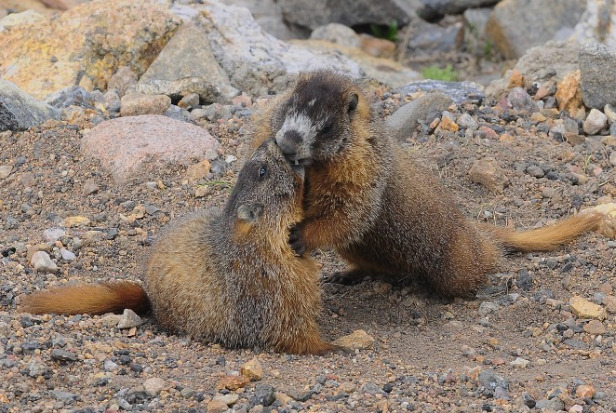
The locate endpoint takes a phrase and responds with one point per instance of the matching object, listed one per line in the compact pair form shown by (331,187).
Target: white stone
(67,255)
(109,365)
(42,262)
(153,386)
(228,399)
(595,122)
(129,319)
(610,112)
(520,363)
(53,234)
(468,122)
(5,171)
(486,308)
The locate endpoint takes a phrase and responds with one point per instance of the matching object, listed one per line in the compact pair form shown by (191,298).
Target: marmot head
(268,192)
(314,122)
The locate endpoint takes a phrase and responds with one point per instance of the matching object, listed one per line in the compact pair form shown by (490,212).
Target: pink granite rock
(124,144)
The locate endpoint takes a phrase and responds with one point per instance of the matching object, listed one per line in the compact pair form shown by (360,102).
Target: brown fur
(94,299)
(231,279)
(372,204)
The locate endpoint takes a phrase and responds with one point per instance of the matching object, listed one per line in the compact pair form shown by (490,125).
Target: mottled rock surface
(104,35)
(315,13)
(123,145)
(19,111)
(186,65)
(256,62)
(597,79)
(517,25)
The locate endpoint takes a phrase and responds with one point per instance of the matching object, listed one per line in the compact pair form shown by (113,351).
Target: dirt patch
(429,355)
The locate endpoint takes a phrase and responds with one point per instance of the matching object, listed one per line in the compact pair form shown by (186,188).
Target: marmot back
(231,278)
(369,201)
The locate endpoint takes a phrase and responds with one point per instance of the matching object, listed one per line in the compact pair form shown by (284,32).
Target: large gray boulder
(386,71)
(186,65)
(337,33)
(256,62)
(549,62)
(552,60)
(268,15)
(315,13)
(434,10)
(20,111)
(597,23)
(597,81)
(517,25)
(402,123)
(432,40)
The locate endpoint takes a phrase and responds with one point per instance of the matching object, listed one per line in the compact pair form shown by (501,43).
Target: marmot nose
(289,142)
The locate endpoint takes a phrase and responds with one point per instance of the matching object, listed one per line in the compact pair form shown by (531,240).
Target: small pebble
(135,104)
(357,340)
(584,391)
(67,255)
(252,369)
(594,327)
(109,365)
(228,399)
(189,101)
(217,406)
(62,355)
(129,319)
(486,308)
(585,309)
(520,363)
(37,367)
(153,386)
(187,392)
(534,170)
(53,234)
(41,261)
(233,382)
(264,395)
(5,171)
(466,121)
(595,122)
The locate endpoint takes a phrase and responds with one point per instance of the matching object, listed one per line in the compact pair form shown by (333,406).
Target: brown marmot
(231,278)
(370,202)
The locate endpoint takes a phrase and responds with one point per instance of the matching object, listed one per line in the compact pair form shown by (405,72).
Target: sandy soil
(429,355)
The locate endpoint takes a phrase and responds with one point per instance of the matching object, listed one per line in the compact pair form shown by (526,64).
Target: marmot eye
(262,171)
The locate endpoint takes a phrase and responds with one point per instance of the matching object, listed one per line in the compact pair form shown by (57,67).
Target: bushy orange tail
(89,299)
(549,237)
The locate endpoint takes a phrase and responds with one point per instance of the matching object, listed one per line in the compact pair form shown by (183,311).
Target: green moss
(385,32)
(436,73)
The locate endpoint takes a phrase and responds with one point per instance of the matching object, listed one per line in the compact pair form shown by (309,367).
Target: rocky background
(118,116)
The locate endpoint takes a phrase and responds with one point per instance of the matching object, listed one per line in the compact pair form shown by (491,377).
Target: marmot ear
(352,103)
(249,212)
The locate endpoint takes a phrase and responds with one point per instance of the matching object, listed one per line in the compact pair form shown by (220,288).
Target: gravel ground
(518,347)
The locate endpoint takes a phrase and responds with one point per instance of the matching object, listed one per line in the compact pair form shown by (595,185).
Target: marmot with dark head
(371,203)
(230,278)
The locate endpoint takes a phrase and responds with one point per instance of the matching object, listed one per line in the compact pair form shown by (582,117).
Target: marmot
(372,204)
(231,278)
